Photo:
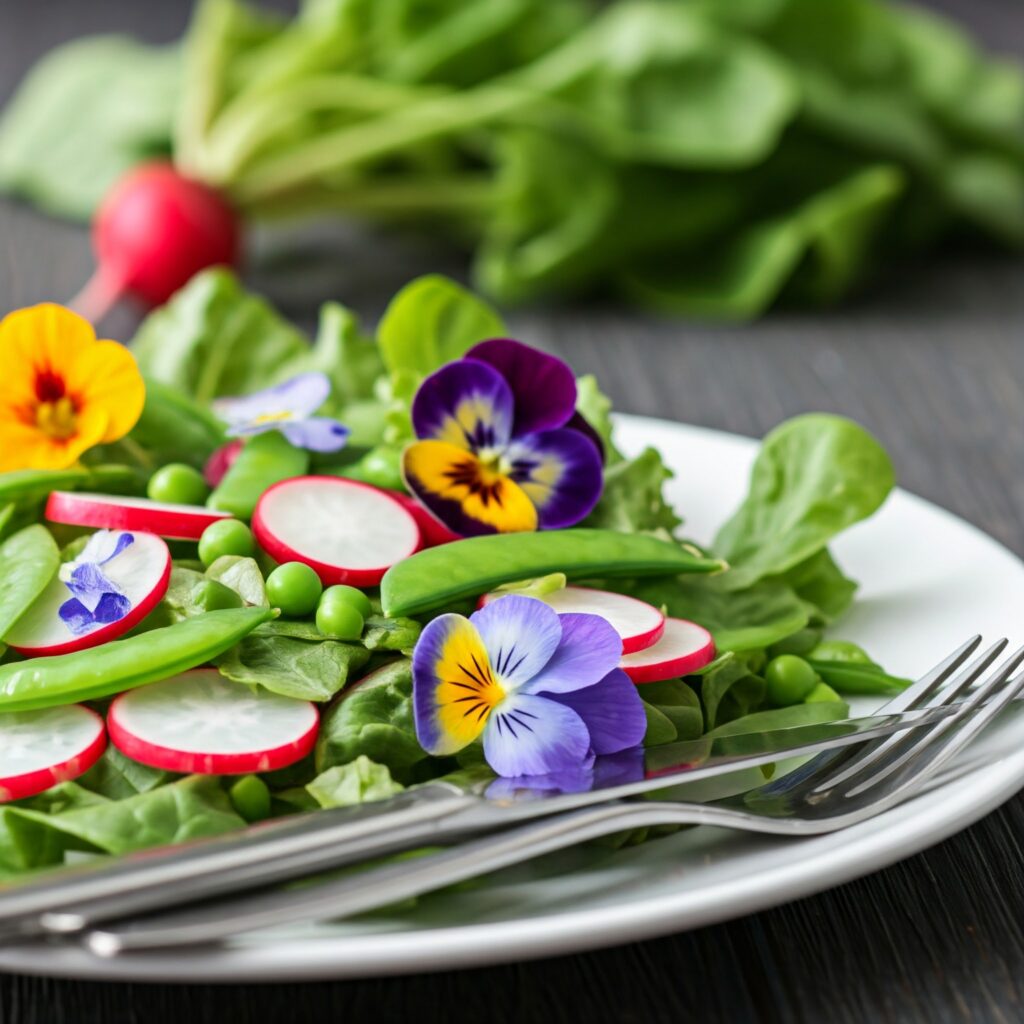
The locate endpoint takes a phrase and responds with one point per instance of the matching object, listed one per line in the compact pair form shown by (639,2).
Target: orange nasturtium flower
(61,390)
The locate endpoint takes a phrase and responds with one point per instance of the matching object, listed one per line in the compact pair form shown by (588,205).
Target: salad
(243,575)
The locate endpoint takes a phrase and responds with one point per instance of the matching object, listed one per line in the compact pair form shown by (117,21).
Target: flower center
(56,418)
(482,477)
(274,417)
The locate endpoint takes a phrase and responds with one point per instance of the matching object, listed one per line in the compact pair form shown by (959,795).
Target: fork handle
(378,887)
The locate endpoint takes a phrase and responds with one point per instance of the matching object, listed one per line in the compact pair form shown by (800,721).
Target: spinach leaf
(633,499)
(397,634)
(358,782)
(172,428)
(783,718)
(213,338)
(679,703)
(814,476)
(293,668)
(89,111)
(430,322)
(193,807)
(820,584)
(116,777)
(659,726)
(374,718)
(731,690)
(739,620)
(243,576)
(28,561)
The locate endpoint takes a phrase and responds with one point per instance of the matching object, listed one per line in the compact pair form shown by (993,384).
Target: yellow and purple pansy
(287,407)
(543,690)
(500,446)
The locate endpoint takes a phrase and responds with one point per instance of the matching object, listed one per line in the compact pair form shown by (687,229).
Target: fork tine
(915,694)
(925,745)
(835,769)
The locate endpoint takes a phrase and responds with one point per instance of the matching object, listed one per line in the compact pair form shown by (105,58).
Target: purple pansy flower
(289,408)
(95,599)
(543,690)
(501,447)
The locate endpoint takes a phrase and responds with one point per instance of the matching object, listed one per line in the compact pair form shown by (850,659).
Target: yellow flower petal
(105,375)
(457,486)
(46,337)
(24,447)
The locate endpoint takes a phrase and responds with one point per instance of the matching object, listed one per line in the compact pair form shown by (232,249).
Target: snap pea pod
(124,664)
(28,561)
(438,576)
(857,678)
(264,461)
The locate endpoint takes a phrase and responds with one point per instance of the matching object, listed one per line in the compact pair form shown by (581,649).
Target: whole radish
(153,231)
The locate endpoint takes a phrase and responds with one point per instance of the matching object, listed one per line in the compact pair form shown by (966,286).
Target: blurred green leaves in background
(706,157)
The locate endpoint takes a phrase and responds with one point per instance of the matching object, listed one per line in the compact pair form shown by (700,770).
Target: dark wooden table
(932,360)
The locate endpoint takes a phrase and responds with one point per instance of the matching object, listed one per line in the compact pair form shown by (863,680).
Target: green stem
(132,448)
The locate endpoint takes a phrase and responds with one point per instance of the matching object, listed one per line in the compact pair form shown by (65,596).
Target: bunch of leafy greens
(814,476)
(700,156)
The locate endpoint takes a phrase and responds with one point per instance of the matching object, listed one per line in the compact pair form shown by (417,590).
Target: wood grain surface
(931,359)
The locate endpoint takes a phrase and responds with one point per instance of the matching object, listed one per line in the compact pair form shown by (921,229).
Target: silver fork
(832,791)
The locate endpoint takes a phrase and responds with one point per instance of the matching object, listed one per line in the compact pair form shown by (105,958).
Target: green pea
(265,460)
(438,577)
(350,595)
(822,694)
(123,664)
(295,588)
(339,618)
(250,798)
(178,484)
(790,679)
(226,537)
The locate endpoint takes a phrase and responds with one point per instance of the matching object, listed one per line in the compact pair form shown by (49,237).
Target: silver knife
(68,900)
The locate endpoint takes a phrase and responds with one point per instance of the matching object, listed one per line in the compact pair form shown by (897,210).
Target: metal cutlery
(836,789)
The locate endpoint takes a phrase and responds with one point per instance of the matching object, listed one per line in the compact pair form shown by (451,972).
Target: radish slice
(201,722)
(640,625)
(684,647)
(38,749)
(63,619)
(116,512)
(349,532)
(432,530)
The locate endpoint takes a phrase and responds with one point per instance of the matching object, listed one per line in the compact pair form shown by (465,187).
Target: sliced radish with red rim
(201,722)
(683,648)
(116,512)
(97,597)
(349,532)
(38,749)
(639,624)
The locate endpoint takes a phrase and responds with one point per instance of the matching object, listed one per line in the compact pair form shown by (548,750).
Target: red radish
(432,530)
(38,749)
(117,512)
(154,229)
(221,461)
(140,572)
(348,531)
(201,722)
(640,625)
(684,647)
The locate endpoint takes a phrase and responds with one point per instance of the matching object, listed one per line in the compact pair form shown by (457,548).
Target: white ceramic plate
(928,580)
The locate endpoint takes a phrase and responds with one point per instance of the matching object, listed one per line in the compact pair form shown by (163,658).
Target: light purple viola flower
(95,599)
(288,408)
(500,445)
(543,691)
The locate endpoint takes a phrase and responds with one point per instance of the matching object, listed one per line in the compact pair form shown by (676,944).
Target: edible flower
(501,448)
(544,690)
(96,599)
(61,390)
(289,408)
